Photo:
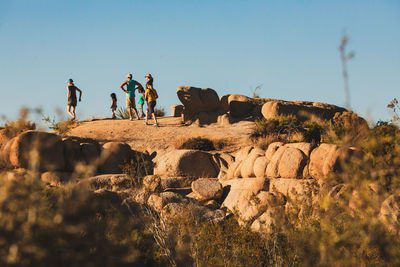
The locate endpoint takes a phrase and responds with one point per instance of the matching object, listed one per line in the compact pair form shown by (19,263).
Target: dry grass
(218,143)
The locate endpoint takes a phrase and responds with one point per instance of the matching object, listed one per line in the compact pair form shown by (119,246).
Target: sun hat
(70,81)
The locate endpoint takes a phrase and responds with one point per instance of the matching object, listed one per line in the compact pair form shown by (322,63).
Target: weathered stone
(225,119)
(5,153)
(292,163)
(224,102)
(177,110)
(295,189)
(198,100)
(302,110)
(240,105)
(328,158)
(91,151)
(114,156)
(260,165)
(247,169)
(72,153)
(272,170)
(239,189)
(157,202)
(201,105)
(37,151)
(207,189)
(188,163)
(272,148)
(304,147)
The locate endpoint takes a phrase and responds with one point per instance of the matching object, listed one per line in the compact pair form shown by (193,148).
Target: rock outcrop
(301,109)
(186,163)
(47,152)
(177,110)
(291,161)
(200,104)
(39,151)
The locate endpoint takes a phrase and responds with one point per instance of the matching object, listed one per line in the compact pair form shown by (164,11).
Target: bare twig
(344,58)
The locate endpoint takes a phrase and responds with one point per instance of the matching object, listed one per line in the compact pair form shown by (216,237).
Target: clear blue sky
(288,47)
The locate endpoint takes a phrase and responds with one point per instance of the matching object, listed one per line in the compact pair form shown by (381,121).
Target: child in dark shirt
(113,105)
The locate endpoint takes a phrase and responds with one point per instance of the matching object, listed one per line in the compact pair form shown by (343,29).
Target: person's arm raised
(122,86)
(139,85)
(80,93)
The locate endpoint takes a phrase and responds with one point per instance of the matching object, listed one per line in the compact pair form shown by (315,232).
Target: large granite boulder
(114,156)
(240,105)
(176,110)
(201,104)
(186,163)
(292,163)
(301,109)
(37,151)
(207,189)
(329,158)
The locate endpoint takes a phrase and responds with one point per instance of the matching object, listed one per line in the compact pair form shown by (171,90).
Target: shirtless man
(71,106)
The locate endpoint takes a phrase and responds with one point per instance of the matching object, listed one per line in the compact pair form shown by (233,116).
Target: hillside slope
(143,137)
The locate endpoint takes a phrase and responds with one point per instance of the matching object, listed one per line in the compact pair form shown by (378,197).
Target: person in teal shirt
(141,103)
(130,94)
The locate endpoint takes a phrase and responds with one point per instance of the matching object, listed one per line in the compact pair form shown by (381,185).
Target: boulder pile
(203,106)
(47,152)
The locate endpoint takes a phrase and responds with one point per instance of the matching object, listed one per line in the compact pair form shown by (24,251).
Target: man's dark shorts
(150,107)
(72,102)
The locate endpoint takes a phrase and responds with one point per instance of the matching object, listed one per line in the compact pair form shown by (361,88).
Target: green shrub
(61,127)
(69,226)
(140,166)
(198,143)
(123,113)
(159,112)
(286,128)
(22,124)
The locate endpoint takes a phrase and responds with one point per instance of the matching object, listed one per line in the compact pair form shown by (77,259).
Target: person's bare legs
(155,119)
(72,114)
(130,113)
(147,117)
(136,114)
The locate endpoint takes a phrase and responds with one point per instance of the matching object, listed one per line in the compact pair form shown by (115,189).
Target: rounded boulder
(38,151)
(240,105)
(187,163)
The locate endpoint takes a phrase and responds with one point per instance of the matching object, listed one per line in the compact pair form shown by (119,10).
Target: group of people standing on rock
(147,94)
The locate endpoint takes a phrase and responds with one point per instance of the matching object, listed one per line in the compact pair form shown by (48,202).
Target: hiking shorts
(150,106)
(130,102)
(72,102)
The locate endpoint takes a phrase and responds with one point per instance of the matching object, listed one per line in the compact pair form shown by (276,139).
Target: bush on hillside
(288,129)
(68,227)
(159,112)
(198,143)
(123,113)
